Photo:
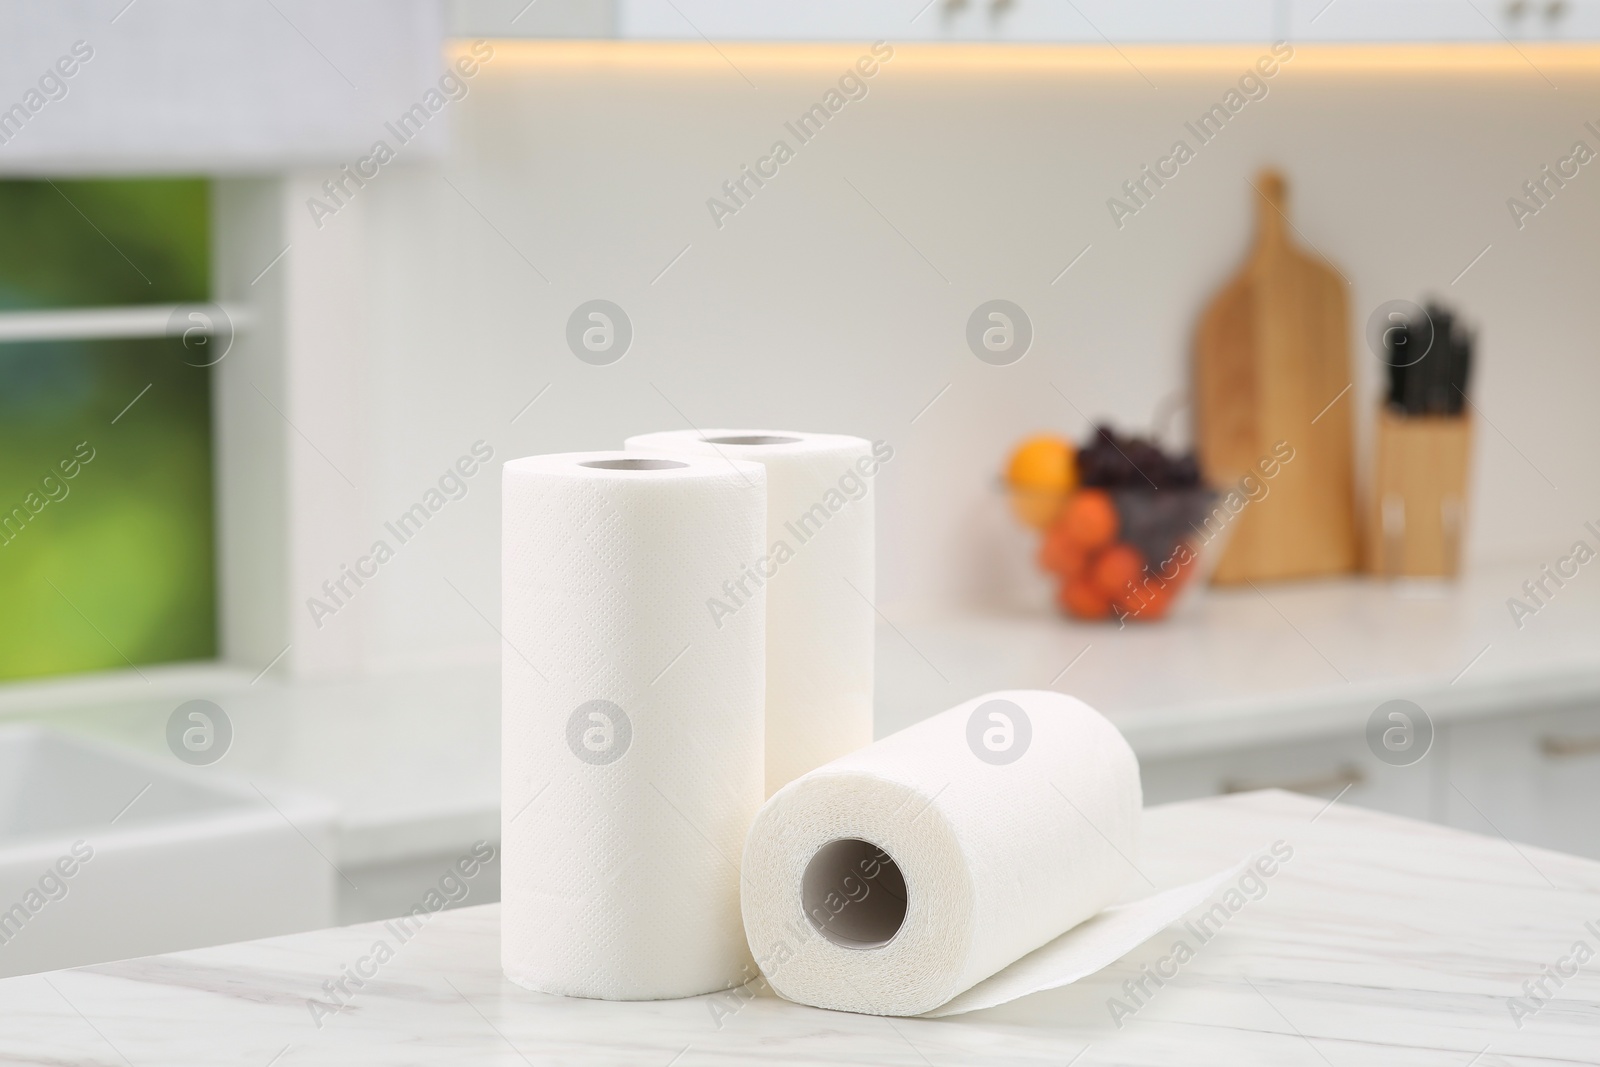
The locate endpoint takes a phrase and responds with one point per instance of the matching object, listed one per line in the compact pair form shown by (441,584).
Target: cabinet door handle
(1338,779)
(1563,747)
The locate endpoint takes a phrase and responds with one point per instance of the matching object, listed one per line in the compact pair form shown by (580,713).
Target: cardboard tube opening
(854,894)
(634,464)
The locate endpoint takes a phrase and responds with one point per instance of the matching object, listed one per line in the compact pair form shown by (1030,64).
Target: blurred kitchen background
(240,344)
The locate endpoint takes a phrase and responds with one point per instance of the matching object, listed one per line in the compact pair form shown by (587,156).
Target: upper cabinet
(950,20)
(195,86)
(1444,20)
(1083,21)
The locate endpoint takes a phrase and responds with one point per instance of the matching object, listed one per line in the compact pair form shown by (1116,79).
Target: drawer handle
(1561,747)
(1342,778)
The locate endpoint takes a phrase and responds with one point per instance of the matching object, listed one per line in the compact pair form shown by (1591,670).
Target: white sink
(107,854)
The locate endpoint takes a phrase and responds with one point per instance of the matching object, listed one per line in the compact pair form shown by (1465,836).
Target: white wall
(837,299)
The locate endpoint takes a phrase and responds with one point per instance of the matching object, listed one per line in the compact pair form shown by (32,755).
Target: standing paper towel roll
(897,879)
(631,723)
(817,566)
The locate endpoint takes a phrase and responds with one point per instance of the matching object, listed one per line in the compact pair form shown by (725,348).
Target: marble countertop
(1381,940)
(412,760)
(1279,661)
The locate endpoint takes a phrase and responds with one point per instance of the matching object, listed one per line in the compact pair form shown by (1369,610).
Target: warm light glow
(1526,60)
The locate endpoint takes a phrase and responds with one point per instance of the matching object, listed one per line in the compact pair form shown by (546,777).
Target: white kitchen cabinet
(1321,767)
(398,886)
(1443,20)
(1098,21)
(950,20)
(195,87)
(1534,778)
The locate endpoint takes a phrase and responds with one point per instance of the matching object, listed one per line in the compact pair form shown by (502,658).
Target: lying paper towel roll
(817,567)
(898,878)
(631,723)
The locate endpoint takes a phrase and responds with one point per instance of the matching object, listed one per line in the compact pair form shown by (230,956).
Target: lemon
(1042,471)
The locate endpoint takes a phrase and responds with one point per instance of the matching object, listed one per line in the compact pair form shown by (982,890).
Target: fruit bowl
(1125,527)
(1126,554)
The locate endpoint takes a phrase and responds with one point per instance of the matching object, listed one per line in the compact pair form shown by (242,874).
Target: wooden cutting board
(1272,357)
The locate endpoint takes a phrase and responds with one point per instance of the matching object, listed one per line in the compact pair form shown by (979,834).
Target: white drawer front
(1321,767)
(1534,778)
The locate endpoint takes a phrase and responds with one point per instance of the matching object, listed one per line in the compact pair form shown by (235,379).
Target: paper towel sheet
(937,870)
(1088,947)
(817,567)
(631,723)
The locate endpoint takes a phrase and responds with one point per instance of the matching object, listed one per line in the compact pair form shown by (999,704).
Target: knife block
(1419,495)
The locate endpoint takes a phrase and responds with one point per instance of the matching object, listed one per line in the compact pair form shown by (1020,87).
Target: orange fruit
(1137,599)
(1153,603)
(1118,568)
(1089,519)
(1058,555)
(1041,472)
(1053,552)
(1082,599)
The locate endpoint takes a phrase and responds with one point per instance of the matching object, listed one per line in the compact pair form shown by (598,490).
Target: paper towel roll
(631,722)
(817,566)
(895,879)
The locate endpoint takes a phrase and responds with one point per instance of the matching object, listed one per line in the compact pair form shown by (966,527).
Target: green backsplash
(107,553)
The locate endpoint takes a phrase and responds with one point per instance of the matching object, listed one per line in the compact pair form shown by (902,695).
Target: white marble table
(1382,941)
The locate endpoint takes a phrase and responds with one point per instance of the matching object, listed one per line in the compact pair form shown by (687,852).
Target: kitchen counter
(1379,940)
(1250,666)
(411,760)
